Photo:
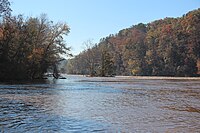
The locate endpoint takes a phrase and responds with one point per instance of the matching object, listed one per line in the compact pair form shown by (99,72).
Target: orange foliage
(198,66)
(1,33)
(38,51)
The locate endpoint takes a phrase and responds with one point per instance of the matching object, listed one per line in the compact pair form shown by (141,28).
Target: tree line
(31,46)
(165,47)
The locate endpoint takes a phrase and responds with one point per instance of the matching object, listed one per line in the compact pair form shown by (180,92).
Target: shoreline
(138,77)
(123,78)
(159,77)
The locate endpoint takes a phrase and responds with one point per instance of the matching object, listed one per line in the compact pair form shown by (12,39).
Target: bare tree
(5,8)
(89,57)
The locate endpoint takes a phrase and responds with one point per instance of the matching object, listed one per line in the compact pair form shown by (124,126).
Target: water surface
(118,104)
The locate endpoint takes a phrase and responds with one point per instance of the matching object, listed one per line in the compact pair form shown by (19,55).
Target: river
(117,104)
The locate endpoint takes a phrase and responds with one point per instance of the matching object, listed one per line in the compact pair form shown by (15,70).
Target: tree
(89,58)
(4,8)
(106,66)
(165,47)
(135,51)
(28,49)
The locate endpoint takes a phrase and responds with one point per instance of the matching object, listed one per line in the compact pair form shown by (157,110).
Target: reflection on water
(83,104)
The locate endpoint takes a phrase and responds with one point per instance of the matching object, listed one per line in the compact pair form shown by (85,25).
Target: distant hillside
(167,47)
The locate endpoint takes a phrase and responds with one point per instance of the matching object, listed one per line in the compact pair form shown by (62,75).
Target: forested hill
(165,47)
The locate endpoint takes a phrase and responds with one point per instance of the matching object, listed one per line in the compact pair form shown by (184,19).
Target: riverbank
(81,78)
(158,77)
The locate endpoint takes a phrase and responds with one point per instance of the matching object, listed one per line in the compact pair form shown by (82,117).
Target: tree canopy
(165,47)
(29,47)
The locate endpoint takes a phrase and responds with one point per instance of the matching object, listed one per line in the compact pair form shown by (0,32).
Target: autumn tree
(106,65)
(135,51)
(29,48)
(165,47)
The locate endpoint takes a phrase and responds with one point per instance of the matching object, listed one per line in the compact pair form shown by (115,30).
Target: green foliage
(167,47)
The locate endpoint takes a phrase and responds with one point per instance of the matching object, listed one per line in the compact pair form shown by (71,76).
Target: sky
(95,19)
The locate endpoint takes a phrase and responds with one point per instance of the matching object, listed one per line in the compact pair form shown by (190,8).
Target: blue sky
(95,19)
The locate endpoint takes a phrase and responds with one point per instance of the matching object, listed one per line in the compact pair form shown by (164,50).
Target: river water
(118,104)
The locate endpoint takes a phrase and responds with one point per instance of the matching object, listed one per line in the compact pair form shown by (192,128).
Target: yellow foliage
(30,57)
(38,51)
(149,53)
(135,71)
(1,33)
(132,62)
(198,66)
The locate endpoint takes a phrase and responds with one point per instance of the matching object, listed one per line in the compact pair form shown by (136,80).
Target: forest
(165,47)
(31,46)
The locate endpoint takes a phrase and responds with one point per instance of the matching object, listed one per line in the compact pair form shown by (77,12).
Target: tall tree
(106,65)
(30,48)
